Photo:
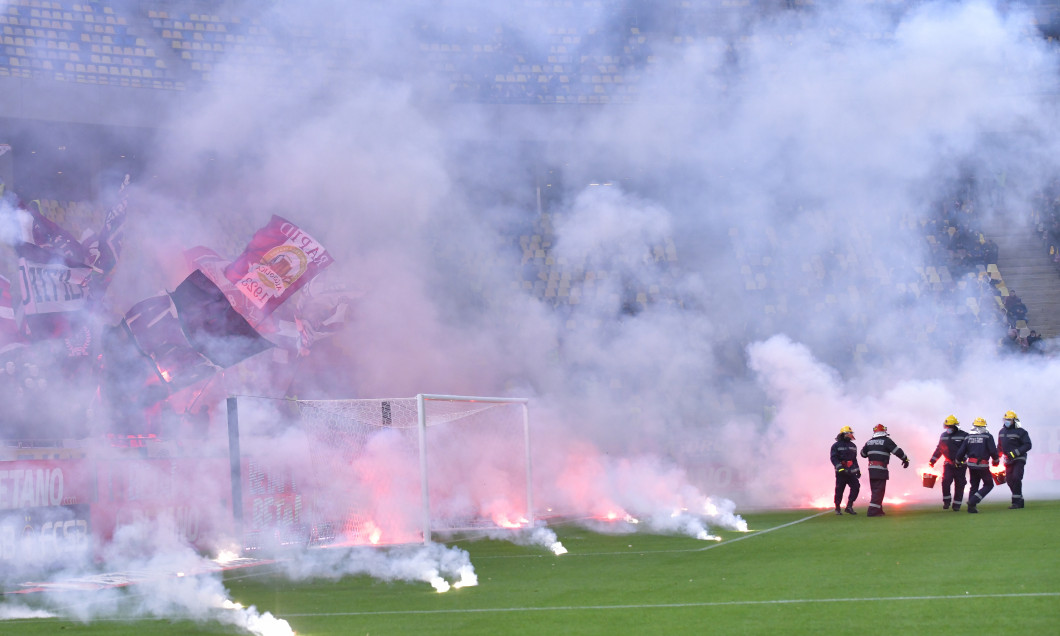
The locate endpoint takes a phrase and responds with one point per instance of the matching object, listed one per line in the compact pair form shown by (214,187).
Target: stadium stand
(147,45)
(84,43)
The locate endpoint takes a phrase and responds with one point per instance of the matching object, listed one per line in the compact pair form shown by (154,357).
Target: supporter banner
(213,327)
(50,287)
(170,342)
(104,248)
(277,262)
(206,259)
(272,507)
(45,535)
(186,498)
(54,507)
(156,329)
(45,510)
(54,242)
(52,276)
(129,380)
(41,483)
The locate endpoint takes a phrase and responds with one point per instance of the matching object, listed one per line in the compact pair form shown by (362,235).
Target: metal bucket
(929,480)
(999,478)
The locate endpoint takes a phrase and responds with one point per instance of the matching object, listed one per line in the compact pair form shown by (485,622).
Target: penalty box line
(760,532)
(750,534)
(788,601)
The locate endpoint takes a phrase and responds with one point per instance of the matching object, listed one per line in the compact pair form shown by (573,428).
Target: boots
(956,507)
(850,510)
(945,505)
(972,509)
(838,511)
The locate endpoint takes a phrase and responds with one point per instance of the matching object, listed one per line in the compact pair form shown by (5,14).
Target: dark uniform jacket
(845,455)
(878,451)
(950,440)
(1013,444)
(977,449)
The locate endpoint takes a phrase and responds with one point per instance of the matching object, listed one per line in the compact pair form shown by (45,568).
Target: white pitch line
(752,533)
(788,601)
(760,532)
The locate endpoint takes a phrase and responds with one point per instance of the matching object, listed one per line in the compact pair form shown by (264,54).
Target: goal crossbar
(466,449)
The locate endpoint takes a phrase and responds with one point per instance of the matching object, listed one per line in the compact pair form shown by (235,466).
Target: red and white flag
(278,261)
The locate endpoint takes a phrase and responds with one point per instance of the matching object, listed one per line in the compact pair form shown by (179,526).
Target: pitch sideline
(646,606)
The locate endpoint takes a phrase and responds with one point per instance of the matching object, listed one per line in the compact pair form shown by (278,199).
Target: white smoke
(784,159)
(441,566)
(15,611)
(175,584)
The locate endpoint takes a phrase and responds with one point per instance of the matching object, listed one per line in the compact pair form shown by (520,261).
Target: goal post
(421,402)
(394,470)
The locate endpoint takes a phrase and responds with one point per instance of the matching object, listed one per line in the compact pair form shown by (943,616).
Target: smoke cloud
(743,241)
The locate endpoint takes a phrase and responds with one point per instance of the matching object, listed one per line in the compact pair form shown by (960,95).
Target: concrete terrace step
(1026,267)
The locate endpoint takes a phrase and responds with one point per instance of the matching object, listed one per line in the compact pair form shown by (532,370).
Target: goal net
(399,470)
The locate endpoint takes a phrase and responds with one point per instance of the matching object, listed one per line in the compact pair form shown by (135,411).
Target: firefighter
(1013,443)
(878,451)
(978,451)
(844,458)
(951,439)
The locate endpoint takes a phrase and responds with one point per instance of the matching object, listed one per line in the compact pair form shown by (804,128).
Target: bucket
(929,480)
(999,478)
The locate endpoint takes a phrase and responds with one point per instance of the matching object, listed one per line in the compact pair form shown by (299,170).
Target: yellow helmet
(979,422)
(1010,415)
(846,430)
(951,420)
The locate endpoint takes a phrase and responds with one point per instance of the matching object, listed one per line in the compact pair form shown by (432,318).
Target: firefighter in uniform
(950,440)
(844,458)
(878,451)
(978,451)
(1013,443)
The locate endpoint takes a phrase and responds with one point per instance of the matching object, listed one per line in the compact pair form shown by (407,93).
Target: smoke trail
(13,611)
(441,566)
(746,284)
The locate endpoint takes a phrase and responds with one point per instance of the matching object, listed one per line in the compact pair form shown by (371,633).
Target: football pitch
(918,570)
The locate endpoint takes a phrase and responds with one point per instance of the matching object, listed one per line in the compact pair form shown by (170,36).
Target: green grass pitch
(917,570)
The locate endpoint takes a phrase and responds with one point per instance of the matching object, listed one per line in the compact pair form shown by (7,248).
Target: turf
(916,570)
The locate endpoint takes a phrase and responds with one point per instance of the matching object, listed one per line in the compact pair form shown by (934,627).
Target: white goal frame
(418,437)
(421,400)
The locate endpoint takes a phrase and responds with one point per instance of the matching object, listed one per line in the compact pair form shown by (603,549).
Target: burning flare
(503,521)
(998,473)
